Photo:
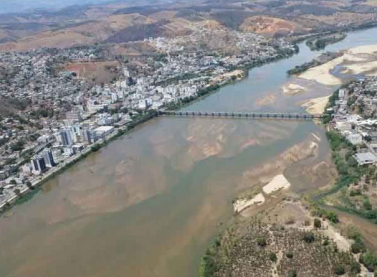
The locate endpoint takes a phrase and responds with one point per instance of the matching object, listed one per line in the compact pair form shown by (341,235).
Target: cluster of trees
(18,145)
(42,112)
(322,213)
(348,169)
(321,43)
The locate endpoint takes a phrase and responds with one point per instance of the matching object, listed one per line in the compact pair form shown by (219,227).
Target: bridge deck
(255,115)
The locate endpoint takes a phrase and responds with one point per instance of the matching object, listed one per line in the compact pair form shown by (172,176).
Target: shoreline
(150,114)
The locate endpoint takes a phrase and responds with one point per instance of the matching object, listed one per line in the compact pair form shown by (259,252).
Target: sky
(16,6)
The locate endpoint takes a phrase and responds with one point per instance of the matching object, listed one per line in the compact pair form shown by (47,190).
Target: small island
(321,59)
(319,43)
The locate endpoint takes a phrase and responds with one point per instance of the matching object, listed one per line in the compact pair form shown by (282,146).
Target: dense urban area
(60,117)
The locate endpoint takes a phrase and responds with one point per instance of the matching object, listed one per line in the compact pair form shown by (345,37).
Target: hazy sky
(14,6)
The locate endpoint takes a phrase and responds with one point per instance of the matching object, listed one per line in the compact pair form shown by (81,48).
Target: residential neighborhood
(52,115)
(353,115)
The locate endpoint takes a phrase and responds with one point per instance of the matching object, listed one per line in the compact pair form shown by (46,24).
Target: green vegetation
(273,257)
(239,250)
(342,152)
(320,212)
(339,270)
(317,223)
(262,241)
(319,43)
(292,273)
(369,260)
(96,147)
(18,145)
(326,57)
(309,237)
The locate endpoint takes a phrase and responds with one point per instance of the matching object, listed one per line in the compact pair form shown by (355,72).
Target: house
(355,139)
(365,158)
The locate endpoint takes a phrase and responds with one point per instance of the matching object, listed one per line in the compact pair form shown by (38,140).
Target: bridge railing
(270,115)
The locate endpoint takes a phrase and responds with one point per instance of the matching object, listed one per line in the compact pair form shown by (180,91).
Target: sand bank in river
(362,68)
(277,183)
(358,60)
(316,105)
(268,100)
(321,73)
(242,204)
(293,89)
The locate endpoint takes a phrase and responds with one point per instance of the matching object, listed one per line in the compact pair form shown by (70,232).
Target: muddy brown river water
(149,203)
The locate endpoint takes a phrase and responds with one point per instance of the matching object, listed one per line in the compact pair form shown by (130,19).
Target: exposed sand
(242,204)
(316,105)
(321,73)
(364,49)
(362,67)
(342,243)
(277,183)
(293,89)
(358,60)
(266,101)
(236,73)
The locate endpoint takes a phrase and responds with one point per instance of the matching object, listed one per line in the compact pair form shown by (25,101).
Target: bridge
(251,115)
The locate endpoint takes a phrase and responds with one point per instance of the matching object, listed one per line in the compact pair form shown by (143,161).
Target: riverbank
(361,60)
(231,77)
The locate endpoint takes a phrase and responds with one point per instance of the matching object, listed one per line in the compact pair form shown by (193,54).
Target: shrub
(309,237)
(369,260)
(339,270)
(273,257)
(355,267)
(289,255)
(332,216)
(357,247)
(262,241)
(326,242)
(317,223)
(292,273)
(355,192)
(367,205)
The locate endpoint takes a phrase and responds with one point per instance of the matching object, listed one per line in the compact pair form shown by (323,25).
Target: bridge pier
(254,115)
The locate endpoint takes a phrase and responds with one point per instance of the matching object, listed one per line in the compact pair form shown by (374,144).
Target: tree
(317,223)
(332,216)
(289,255)
(29,185)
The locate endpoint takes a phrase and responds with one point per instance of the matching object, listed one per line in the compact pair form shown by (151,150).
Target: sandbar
(316,105)
(242,204)
(277,183)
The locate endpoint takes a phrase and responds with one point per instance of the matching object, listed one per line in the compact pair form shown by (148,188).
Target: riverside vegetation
(322,59)
(319,43)
(258,249)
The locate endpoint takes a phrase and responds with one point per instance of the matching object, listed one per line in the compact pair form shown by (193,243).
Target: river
(149,203)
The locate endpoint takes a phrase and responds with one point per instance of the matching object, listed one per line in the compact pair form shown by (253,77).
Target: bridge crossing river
(251,115)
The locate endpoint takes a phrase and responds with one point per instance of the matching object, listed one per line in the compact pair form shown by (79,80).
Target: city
(69,115)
